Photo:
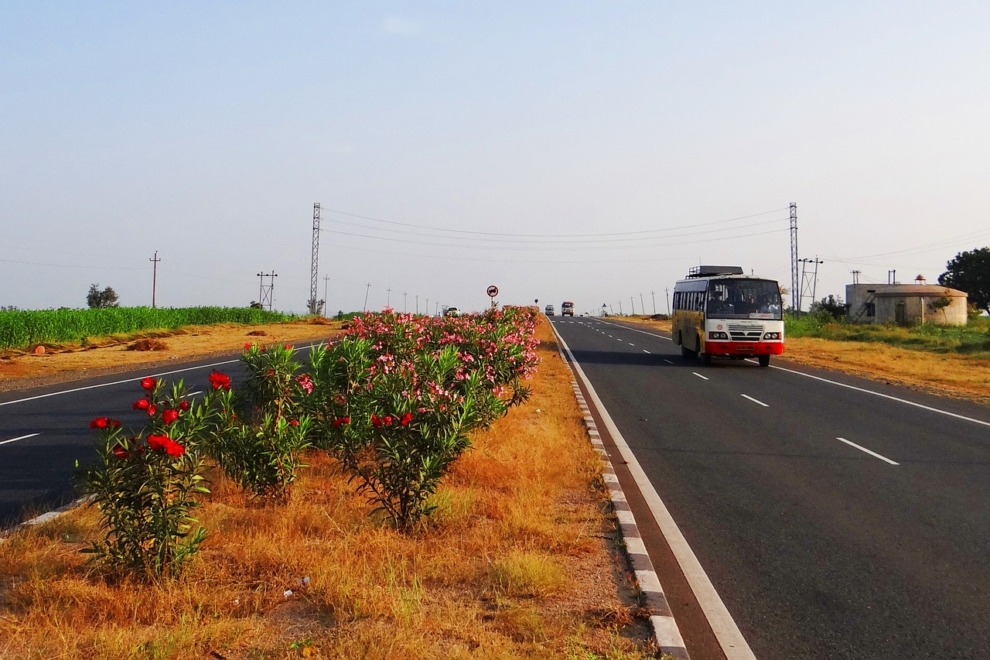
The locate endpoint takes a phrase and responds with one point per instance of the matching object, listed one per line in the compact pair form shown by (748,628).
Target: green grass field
(971,339)
(19,329)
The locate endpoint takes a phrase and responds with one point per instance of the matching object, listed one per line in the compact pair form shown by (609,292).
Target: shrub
(144,485)
(261,436)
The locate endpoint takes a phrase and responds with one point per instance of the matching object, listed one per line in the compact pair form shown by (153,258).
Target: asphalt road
(43,432)
(873,546)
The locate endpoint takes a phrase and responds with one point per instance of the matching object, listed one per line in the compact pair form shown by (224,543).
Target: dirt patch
(107,355)
(148,345)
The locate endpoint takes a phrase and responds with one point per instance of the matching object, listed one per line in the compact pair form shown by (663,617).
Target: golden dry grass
(113,353)
(515,563)
(945,374)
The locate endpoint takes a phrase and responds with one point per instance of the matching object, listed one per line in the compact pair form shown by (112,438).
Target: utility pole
(388,297)
(620,309)
(404,302)
(326,304)
(667,292)
(654,296)
(417,304)
(632,306)
(427,306)
(366,297)
(314,307)
(809,285)
(795,279)
(267,293)
(154,278)
(642,305)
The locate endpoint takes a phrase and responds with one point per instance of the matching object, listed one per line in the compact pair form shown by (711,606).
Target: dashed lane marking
(871,453)
(700,376)
(23,437)
(746,396)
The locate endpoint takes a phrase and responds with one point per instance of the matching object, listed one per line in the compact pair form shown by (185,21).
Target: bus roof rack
(709,271)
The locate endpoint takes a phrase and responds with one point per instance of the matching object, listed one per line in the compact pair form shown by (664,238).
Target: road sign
(492,291)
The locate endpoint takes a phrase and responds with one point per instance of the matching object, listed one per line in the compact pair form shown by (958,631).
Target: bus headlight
(772,335)
(717,335)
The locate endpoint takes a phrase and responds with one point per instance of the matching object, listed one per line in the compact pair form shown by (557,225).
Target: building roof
(912,290)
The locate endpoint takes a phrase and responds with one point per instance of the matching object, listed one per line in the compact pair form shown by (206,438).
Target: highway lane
(44,431)
(819,548)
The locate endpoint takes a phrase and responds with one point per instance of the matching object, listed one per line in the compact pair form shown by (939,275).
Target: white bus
(720,312)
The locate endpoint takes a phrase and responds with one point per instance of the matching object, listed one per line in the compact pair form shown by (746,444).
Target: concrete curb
(665,631)
(43,518)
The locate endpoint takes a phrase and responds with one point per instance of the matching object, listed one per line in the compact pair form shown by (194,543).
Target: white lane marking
(729,637)
(630,343)
(192,394)
(23,437)
(646,351)
(884,396)
(871,453)
(699,375)
(132,380)
(668,362)
(652,334)
(746,396)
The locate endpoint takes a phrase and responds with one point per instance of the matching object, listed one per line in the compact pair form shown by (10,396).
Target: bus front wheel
(764,360)
(706,358)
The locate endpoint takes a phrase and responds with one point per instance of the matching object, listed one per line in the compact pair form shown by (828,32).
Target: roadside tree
(97,299)
(970,272)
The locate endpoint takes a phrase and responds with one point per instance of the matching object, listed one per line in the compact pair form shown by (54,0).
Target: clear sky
(207,130)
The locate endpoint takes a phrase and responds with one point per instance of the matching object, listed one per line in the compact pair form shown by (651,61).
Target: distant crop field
(23,328)
(971,339)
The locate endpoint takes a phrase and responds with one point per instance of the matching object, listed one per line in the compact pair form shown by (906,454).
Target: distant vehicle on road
(567,309)
(549,310)
(719,311)
(451,311)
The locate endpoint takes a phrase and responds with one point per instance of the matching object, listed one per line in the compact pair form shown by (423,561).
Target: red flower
(294,422)
(288,347)
(376,421)
(120,452)
(347,420)
(148,383)
(158,442)
(100,423)
(152,410)
(183,405)
(219,380)
(141,404)
(406,419)
(173,448)
(388,420)
(247,346)
(170,415)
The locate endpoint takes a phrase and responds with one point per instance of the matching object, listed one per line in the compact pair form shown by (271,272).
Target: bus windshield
(743,299)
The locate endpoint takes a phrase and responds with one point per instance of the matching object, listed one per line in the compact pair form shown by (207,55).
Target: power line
(567,240)
(488,233)
(639,246)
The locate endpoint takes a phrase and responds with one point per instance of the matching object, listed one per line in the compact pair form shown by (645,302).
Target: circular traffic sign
(492,291)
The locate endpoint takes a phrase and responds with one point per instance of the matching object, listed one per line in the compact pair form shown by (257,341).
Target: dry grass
(107,354)
(515,563)
(945,374)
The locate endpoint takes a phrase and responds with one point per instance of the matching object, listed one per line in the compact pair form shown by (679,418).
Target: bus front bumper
(744,347)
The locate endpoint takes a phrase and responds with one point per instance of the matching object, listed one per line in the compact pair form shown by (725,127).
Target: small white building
(906,304)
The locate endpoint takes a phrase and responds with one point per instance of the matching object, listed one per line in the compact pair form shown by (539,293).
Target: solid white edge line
(23,437)
(884,396)
(746,396)
(700,376)
(131,380)
(871,453)
(646,351)
(733,644)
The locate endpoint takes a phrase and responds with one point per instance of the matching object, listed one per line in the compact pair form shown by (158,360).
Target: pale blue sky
(207,130)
